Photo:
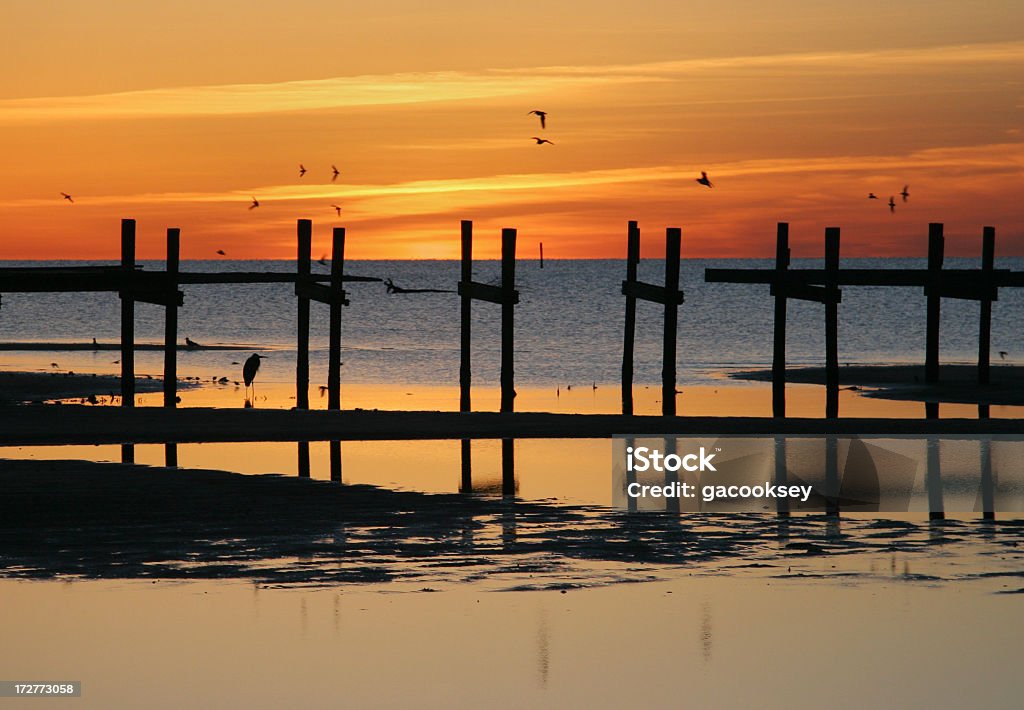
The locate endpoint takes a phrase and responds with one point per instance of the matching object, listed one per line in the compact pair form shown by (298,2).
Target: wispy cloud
(412,88)
(1001,158)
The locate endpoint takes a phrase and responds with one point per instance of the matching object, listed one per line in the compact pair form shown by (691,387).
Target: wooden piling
(629,333)
(508,467)
(831,323)
(466,484)
(988,499)
(127,326)
(781,476)
(673,237)
(171,336)
(933,479)
(988,262)
(508,285)
(334,347)
(303,268)
(782,255)
(542,255)
(936,247)
(337,296)
(465,370)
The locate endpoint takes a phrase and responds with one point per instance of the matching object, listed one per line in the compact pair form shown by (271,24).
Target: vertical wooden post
(988,498)
(303,268)
(831,323)
(542,255)
(673,237)
(171,336)
(781,475)
(337,289)
(933,480)
(936,244)
(508,309)
(832,483)
(334,354)
(629,334)
(779,342)
(466,485)
(988,262)
(127,325)
(508,467)
(465,370)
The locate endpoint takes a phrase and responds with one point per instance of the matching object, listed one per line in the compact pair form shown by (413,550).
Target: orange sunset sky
(175,114)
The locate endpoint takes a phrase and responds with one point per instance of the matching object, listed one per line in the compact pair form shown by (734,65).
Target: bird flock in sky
(905,194)
(543,118)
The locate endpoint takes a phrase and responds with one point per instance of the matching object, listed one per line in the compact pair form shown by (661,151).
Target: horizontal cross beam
(867,277)
(486,292)
(650,292)
(803,292)
(320,293)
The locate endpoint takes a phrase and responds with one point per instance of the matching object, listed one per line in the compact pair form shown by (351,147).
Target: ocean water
(568,327)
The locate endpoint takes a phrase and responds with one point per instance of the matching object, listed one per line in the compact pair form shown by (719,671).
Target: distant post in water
(782,256)
(127,325)
(542,255)
(171,336)
(832,322)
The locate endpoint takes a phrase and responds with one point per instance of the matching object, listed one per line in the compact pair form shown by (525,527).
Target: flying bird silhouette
(335,173)
(67,197)
(703,179)
(892,204)
(322,260)
(337,209)
(221,252)
(542,141)
(302,169)
(255,204)
(542,115)
(906,193)
(1003,354)
(872,196)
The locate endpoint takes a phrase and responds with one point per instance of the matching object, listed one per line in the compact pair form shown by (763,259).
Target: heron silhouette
(67,197)
(249,370)
(542,141)
(703,179)
(542,115)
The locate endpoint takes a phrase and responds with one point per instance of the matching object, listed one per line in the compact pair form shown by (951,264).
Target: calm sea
(568,323)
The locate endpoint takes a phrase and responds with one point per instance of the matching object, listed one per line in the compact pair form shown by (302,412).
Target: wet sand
(93,520)
(958,383)
(37,387)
